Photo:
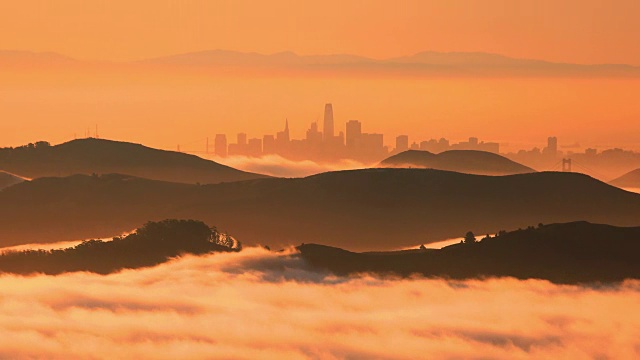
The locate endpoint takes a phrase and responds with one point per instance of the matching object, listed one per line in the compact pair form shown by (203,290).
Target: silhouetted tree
(469,238)
(151,244)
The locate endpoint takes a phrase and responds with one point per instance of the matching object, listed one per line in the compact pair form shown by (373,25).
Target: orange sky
(583,31)
(163,110)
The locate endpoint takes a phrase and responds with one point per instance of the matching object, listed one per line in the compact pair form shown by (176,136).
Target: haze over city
(319,179)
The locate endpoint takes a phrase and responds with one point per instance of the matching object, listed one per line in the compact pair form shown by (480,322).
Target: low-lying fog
(257,304)
(275,165)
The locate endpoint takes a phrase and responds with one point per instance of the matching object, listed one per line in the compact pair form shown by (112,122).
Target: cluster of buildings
(326,145)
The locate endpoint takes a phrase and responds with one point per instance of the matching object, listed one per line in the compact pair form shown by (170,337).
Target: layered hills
(372,209)
(98,156)
(577,252)
(151,244)
(465,161)
(628,180)
(7,179)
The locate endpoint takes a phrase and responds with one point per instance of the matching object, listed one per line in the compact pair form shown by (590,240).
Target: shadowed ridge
(465,161)
(7,179)
(371,209)
(628,180)
(88,156)
(572,253)
(152,244)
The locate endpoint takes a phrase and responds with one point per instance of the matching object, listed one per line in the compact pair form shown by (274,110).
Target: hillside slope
(89,156)
(576,252)
(465,161)
(357,210)
(7,179)
(628,180)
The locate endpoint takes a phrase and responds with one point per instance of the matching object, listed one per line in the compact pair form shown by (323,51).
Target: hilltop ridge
(465,161)
(100,156)
(371,209)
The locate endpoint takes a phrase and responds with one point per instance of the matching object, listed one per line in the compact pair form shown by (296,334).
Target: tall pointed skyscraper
(327,131)
(286,130)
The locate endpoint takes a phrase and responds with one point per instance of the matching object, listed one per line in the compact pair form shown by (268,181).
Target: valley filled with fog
(260,304)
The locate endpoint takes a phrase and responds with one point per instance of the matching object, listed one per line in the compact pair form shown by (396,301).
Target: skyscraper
(552,146)
(354,131)
(283,136)
(242,139)
(268,144)
(402,143)
(220,146)
(328,131)
(314,137)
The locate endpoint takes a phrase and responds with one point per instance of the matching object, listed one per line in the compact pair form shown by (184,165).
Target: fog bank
(257,304)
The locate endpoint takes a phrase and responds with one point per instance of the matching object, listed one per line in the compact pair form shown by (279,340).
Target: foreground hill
(359,210)
(465,161)
(628,180)
(152,244)
(7,179)
(577,252)
(88,156)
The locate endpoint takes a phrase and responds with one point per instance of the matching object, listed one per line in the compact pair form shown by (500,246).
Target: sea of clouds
(276,165)
(260,304)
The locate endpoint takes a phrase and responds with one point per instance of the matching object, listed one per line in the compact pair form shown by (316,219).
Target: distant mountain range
(373,209)
(98,156)
(628,180)
(7,179)
(577,252)
(465,161)
(30,58)
(428,63)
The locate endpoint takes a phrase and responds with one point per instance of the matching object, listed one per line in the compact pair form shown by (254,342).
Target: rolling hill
(7,179)
(150,245)
(628,180)
(577,252)
(464,161)
(98,156)
(372,209)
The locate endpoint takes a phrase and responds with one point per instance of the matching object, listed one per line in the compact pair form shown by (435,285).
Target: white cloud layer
(275,165)
(264,305)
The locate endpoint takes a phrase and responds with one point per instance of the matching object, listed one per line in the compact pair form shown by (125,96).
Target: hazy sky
(583,31)
(163,109)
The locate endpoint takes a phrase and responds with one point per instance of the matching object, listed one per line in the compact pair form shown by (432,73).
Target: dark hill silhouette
(465,161)
(152,244)
(88,156)
(7,179)
(577,252)
(373,209)
(628,180)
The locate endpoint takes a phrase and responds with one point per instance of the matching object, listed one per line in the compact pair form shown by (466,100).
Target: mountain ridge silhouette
(465,161)
(628,180)
(371,209)
(566,253)
(100,156)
